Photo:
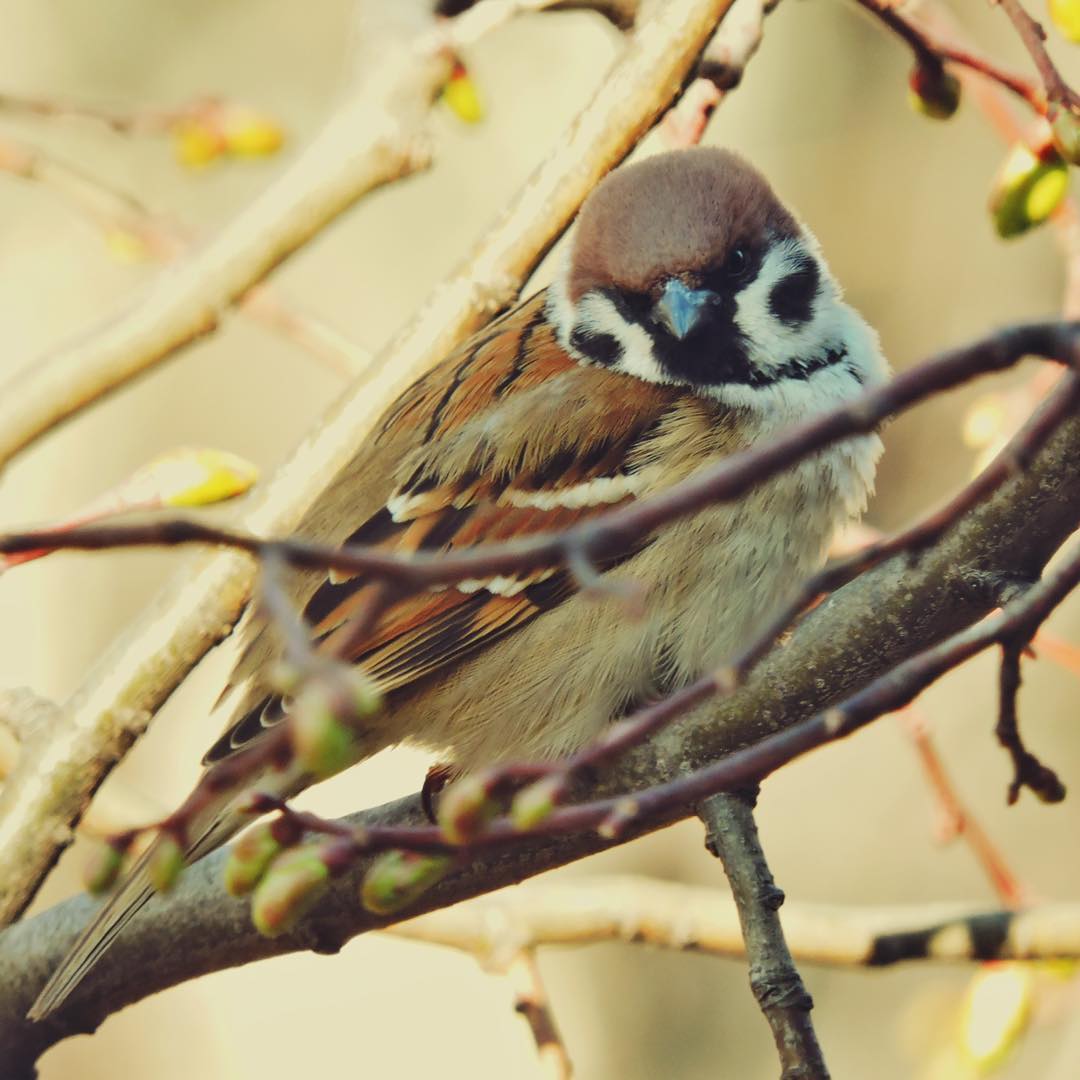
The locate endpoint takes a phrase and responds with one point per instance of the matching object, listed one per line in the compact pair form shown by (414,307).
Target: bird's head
(686,268)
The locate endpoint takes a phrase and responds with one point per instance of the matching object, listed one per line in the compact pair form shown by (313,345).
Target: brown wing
(507,438)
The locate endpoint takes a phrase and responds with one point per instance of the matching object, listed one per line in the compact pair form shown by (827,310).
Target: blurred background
(898,203)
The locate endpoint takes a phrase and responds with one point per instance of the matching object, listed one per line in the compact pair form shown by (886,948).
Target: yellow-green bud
(1028,189)
(933,91)
(533,804)
(464,809)
(291,886)
(323,744)
(249,858)
(397,878)
(367,698)
(102,868)
(166,862)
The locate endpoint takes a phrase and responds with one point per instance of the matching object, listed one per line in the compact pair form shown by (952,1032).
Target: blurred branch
(373,138)
(703,919)
(1033,36)
(155,653)
(119,214)
(144,120)
(621,13)
(844,642)
(532,1004)
(957,820)
(732,835)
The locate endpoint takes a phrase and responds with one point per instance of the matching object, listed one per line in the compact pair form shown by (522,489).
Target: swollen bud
(462,97)
(1066,16)
(533,804)
(196,142)
(250,133)
(397,878)
(933,91)
(250,857)
(322,743)
(465,808)
(291,886)
(1028,189)
(102,868)
(166,862)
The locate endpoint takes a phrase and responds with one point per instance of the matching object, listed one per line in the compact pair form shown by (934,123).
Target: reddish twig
(933,54)
(959,820)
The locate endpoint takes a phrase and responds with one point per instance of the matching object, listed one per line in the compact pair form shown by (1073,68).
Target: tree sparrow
(693,317)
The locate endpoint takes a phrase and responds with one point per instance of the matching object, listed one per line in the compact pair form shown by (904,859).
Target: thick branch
(863,630)
(732,836)
(116,700)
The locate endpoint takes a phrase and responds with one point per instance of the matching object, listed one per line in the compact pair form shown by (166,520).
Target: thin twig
(144,120)
(1033,36)
(932,54)
(958,820)
(732,836)
(1028,770)
(531,1002)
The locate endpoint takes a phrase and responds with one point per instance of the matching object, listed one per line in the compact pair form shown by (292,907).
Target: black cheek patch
(598,347)
(792,300)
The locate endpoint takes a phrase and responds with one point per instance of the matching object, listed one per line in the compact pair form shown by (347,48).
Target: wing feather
(511,438)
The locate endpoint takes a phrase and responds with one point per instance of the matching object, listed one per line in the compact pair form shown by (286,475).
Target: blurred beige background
(898,203)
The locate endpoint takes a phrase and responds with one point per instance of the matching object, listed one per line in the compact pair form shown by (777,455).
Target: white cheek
(771,341)
(598,314)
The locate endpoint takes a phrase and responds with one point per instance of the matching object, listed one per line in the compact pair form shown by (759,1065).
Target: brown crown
(676,213)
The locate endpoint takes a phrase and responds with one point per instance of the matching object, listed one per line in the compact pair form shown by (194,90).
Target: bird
(692,316)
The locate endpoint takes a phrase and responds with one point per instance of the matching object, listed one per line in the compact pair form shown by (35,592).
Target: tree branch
(704,919)
(732,835)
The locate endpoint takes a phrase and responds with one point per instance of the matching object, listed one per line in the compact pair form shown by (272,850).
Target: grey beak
(680,308)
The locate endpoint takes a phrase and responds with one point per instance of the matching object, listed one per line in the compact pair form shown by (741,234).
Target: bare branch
(732,835)
(1028,771)
(1033,36)
(703,919)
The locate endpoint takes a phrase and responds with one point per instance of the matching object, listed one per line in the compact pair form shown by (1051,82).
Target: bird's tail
(211,829)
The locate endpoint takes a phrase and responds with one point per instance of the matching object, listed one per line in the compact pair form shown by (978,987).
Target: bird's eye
(736,264)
